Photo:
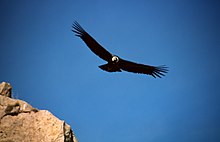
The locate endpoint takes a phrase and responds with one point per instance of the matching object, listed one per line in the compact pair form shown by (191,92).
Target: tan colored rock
(5,89)
(20,122)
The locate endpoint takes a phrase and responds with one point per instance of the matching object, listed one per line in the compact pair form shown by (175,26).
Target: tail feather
(110,68)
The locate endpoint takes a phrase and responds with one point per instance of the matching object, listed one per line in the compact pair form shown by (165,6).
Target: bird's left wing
(143,69)
(91,42)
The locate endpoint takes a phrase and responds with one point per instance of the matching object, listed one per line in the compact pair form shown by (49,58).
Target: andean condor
(115,63)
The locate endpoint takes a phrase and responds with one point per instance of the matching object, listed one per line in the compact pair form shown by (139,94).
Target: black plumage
(115,63)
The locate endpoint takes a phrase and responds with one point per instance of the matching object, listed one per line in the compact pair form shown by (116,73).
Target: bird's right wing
(91,42)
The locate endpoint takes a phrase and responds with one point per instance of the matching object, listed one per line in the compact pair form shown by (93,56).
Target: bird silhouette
(115,63)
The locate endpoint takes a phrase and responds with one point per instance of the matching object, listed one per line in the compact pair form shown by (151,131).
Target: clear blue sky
(52,69)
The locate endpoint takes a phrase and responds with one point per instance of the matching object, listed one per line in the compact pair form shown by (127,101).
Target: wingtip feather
(160,71)
(76,28)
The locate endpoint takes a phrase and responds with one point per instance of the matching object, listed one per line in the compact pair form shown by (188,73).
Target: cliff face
(19,121)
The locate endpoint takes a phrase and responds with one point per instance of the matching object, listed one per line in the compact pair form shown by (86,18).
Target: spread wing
(91,42)
(143,69)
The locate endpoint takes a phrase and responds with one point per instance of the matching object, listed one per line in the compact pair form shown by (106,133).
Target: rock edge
(20,122)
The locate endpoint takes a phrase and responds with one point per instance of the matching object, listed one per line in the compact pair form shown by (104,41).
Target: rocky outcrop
(20,122)
(5,89)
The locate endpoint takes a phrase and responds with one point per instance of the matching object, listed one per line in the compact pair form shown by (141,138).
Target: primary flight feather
(115,63)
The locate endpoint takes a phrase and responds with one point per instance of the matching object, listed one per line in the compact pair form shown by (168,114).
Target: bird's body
(115,63)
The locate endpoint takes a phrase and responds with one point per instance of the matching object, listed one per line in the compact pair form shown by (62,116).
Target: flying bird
(115,63)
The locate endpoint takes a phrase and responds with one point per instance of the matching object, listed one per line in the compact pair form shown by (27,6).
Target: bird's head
(115,59)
